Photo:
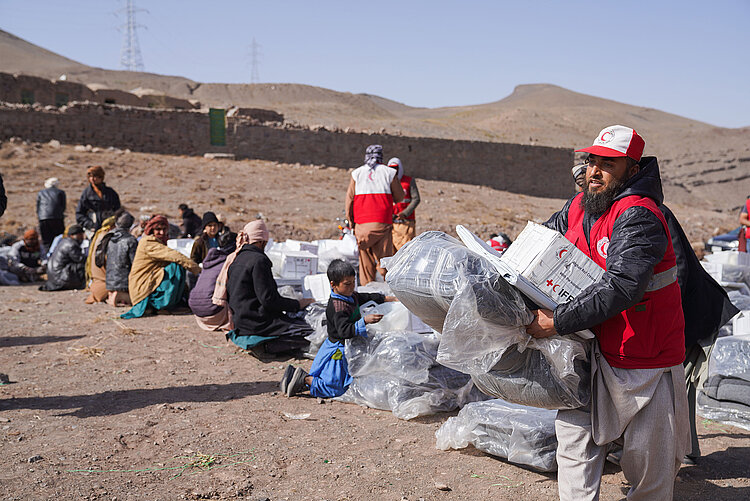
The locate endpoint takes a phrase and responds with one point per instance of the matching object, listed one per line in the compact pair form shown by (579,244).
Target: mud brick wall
(532,170)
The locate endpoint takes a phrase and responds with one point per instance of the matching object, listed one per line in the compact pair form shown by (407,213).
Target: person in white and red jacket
(373,189)
(635,310)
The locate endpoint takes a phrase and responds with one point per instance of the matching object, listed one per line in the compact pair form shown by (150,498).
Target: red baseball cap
(617,141)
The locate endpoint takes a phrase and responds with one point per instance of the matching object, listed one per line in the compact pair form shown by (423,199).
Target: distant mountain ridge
(700,162)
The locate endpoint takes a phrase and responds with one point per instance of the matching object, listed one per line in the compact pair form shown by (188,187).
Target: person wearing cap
(373,189)
(404,219)
(24,258)
(98,201)
(65,268)
(638,396)
(118,249)
(705,306)
(259,312)
(207,239)
(157,277)
(50,210)
(191,222)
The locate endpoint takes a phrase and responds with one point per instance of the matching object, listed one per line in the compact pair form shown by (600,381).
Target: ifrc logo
(561,252)
(558,291)
(602,246)
(607,136)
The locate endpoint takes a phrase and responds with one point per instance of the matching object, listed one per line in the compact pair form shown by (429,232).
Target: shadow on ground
(6,342)
(110,403)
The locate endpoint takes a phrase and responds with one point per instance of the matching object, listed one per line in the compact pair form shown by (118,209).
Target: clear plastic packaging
(407,355)
(522,435)
(725,396)
(483,326)
(445,390)
(315,316)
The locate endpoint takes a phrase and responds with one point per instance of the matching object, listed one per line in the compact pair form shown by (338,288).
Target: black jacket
(50,204)
(705,304)
(3,198)
(100,207)
(66,267)
(191,224)
(341,316)
(120,254)
(256,306)
(638,243)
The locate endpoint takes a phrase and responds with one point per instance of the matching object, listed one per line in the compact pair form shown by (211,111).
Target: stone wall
(533,170)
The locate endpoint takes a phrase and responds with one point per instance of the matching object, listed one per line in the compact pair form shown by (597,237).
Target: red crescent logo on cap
(607,136)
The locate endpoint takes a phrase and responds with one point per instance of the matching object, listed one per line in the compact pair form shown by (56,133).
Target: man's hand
(391,299)
(543,324)
(373,318)
(305,302)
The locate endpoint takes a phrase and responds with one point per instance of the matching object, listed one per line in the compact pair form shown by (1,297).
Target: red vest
(747,208)
(650,334)
(373,202)
(406,185)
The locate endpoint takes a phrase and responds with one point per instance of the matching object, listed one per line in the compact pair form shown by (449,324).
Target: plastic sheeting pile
(522,435)
(397,371)
(315,316)
(725,395)
(482,319)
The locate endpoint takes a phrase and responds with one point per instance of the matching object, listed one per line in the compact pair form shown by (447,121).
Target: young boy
(329,375)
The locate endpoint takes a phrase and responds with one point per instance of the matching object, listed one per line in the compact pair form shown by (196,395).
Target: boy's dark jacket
(341,316)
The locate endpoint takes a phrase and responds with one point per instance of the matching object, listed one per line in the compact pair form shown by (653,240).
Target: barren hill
(701,164)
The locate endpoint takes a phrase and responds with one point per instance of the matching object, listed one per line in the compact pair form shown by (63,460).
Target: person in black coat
(257,308)
(116,254)
(98,201)
(66,265)
(3,198)
(50,209)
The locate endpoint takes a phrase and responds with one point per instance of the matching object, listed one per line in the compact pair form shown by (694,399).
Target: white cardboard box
(729,257)
(297,264)
(317,287)
(551,262)
(181,245)
(298,245)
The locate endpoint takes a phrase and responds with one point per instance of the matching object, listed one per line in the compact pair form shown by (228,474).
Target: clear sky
(688,57)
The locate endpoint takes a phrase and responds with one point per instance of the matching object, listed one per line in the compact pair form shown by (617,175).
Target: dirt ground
(155,408)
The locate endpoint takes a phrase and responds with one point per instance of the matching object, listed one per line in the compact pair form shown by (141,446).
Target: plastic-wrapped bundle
(315,316)
(406,355)
(426,273)
(443,391)
(522,435)
(726,394)
(484,335)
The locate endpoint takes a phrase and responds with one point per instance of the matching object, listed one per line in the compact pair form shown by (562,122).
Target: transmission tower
(254,62)
(130,53)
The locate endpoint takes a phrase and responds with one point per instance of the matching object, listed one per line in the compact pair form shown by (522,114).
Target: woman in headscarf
(96,275)
(373,189)
(157,277)
(98,201)
(210,316)
(207,239)
(257,310)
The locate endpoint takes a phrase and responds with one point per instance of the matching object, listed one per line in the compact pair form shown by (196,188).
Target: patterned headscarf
(374,155)
(153,223)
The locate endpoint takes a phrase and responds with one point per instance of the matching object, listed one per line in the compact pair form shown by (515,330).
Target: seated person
(207,239)
(65,268)
(157,277)
(96,276)
(210,316)
(191,223)
(329,376)
(24,258)
(119,252)
(257,309)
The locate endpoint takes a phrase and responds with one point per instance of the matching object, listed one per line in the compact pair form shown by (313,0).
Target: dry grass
(88,351)
(128,331)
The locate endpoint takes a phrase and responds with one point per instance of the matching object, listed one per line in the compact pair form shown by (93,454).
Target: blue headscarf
(374,155)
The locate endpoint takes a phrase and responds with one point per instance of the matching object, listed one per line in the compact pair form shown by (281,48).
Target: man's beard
(597,204)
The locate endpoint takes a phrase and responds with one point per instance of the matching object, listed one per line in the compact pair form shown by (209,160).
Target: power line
(255,62)
(130,53)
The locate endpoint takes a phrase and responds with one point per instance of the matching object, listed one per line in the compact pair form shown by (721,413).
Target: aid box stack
(552,263)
